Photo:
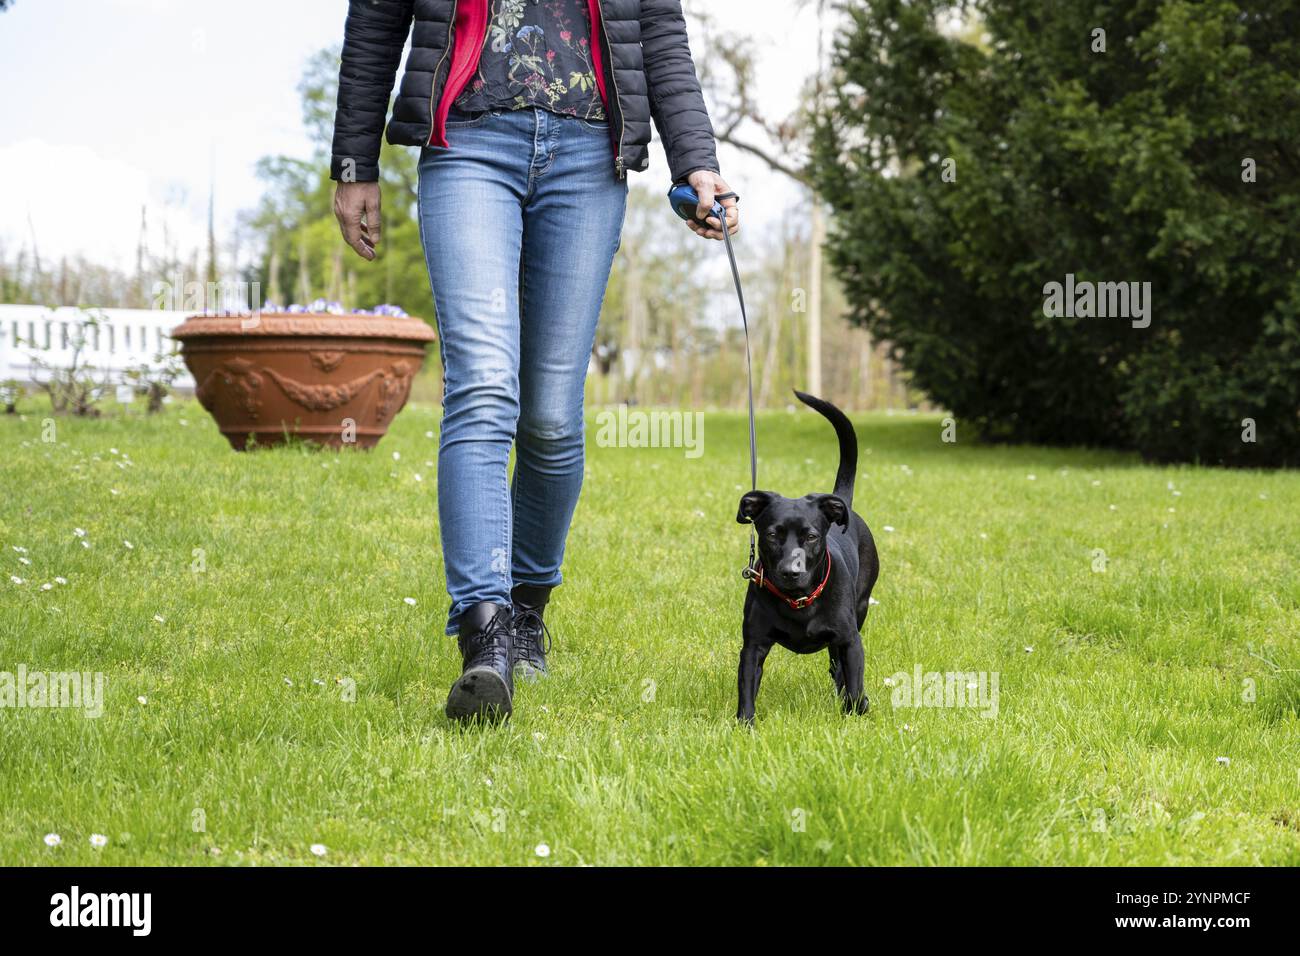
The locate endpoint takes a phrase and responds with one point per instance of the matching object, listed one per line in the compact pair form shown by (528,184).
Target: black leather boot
(531,638)
(486,686)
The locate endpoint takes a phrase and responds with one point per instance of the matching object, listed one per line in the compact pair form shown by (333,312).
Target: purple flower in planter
(336,308)
(326,306)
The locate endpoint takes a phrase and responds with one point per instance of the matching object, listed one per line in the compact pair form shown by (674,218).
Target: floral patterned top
(536,54)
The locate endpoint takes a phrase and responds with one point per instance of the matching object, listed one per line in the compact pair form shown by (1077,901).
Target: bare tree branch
(796,173)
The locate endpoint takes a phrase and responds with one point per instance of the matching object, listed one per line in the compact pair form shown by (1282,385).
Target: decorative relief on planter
(322,397)
(393,389)
(326,361)
(238,379)
(328,370)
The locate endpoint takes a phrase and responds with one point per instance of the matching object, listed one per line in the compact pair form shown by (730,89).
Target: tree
(743,124)
(1135,141)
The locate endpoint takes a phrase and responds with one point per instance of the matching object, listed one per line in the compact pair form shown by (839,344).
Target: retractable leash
(685,202)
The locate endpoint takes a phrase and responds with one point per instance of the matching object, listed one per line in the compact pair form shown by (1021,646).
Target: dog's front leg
(853,695)
(836,669)
(752,656)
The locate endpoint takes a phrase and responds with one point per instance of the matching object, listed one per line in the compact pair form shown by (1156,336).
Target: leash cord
(749,371)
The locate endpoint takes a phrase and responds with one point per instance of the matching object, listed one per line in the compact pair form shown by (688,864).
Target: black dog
(811,587)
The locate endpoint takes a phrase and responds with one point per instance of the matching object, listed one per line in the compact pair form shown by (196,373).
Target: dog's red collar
(757,576)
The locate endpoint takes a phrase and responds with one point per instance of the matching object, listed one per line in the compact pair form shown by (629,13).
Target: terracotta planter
(325,378)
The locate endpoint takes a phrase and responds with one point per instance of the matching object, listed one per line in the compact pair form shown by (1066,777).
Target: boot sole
(480,692)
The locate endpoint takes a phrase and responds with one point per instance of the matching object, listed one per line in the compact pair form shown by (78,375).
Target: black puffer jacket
(644,71)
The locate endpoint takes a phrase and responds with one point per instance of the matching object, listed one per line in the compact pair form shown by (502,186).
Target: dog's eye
(811,536)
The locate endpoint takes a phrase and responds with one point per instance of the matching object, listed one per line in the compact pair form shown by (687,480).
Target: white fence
(124,339)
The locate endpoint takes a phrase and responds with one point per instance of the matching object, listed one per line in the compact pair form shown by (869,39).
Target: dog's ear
(752,505)
(835,510)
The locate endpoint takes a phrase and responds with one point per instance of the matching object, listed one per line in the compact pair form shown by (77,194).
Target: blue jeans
(520,220)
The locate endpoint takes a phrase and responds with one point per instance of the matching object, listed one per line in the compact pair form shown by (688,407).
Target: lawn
(269,687)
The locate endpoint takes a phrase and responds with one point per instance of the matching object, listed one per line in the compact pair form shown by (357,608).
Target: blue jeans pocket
(459,119)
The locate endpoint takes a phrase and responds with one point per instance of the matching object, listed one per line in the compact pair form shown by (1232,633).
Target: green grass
(1103,750)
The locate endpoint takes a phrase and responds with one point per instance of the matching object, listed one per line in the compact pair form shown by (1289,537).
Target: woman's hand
(708,184)
(356,207)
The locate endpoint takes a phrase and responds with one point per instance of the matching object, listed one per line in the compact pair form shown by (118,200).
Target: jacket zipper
(619,169)
(433,90)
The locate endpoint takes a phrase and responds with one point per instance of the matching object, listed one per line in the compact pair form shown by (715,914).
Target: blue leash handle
(685,203)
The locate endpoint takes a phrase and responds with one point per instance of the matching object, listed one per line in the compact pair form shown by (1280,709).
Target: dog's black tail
(848,471)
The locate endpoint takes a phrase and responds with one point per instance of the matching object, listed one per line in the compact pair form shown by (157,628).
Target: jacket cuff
(686,174)
(348,169)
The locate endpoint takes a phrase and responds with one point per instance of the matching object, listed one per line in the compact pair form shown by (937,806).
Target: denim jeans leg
(471,227)
(572,221)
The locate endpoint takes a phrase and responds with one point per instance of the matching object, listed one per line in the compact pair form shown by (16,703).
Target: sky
(109,105)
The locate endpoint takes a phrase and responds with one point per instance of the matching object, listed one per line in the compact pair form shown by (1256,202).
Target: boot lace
(532,637)
(490,646)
